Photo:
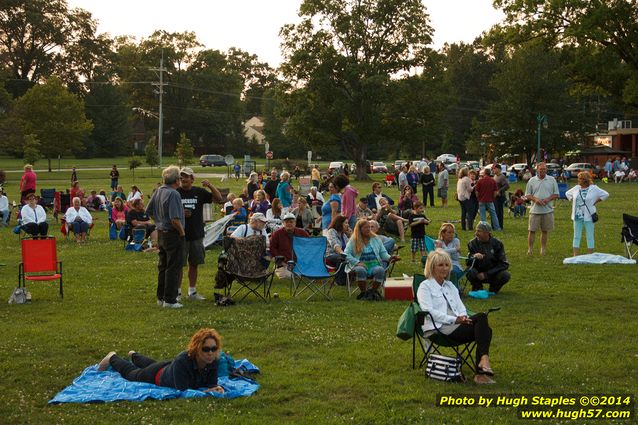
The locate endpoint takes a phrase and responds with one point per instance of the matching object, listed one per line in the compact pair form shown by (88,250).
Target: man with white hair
(165,207)
(257,226)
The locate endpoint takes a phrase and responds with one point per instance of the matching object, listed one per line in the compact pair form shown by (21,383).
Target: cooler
(398,289)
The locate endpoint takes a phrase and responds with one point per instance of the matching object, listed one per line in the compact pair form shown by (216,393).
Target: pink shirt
(28,181)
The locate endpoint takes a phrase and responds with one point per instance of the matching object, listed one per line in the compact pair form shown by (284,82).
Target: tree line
(359,80)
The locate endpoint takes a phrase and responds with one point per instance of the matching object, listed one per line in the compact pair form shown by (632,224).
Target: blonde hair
(444,227)
(436,257)
(357,237)
(584,176)
(463,172)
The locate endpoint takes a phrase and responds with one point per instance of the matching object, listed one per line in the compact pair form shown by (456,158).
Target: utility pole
(160,85)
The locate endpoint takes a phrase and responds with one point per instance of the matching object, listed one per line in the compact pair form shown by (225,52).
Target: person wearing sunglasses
(194,368)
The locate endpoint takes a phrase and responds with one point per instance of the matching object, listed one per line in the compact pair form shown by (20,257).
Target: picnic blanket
(598,258)
(93,386)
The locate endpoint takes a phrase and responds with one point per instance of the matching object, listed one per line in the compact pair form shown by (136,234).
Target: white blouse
(432,298)
(30,215)
(72,214)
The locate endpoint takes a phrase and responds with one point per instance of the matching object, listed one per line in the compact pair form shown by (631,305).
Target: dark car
(212,161)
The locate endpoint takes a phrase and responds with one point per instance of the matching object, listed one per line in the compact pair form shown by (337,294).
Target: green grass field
(561,330)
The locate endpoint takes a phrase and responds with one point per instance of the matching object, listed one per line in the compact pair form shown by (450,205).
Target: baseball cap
(186,170)
(259,217)
(289,216)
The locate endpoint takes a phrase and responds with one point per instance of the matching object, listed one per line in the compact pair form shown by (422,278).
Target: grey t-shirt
(542,189)
(164,206)
(442,179)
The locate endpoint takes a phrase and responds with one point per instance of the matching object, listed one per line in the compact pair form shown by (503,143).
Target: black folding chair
(246,262)
(629,234)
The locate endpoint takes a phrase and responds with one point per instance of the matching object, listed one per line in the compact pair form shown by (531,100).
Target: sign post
(309,158)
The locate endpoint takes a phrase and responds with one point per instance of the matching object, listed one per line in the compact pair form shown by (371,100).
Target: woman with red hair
(192,369)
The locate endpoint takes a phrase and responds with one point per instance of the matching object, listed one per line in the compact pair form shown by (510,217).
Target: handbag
(444,368)
(407,321)
(594,216)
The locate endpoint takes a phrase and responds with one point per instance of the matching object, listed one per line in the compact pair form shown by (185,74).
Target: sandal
(484,371)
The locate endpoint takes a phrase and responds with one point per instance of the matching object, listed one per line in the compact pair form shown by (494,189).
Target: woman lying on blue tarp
(191,369)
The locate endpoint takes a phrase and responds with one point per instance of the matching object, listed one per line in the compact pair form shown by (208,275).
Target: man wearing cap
(541,190)
(34,218)
(281,240)
(490,263)
(193,200)
(165,208)
(257,226)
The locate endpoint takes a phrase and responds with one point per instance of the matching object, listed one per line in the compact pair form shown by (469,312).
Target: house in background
(615,138)
(254,130)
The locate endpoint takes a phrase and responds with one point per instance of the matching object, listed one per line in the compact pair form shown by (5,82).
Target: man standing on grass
(165,207)
(193,200)
(541,190)
(442,183)
(486,191)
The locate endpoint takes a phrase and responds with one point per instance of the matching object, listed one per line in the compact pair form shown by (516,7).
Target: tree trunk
(49,162)
(360,160)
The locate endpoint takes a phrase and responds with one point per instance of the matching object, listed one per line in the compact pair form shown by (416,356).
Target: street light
(542,120)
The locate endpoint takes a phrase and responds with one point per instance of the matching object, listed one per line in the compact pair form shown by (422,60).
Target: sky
(253,25)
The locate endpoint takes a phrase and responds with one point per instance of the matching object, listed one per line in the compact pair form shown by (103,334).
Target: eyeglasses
(209,349)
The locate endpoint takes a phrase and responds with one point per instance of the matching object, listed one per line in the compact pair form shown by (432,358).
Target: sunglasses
(209,349)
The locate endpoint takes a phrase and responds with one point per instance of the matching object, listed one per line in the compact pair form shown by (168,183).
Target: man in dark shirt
(503,185)
(115,176)
(490,263)
(165,207)
(193,200)
(486,191)
(271,185)
(137,218)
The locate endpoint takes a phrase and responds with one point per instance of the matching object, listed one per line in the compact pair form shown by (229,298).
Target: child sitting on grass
(417,222)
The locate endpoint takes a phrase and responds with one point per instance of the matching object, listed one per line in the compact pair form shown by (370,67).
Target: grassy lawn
(561,330)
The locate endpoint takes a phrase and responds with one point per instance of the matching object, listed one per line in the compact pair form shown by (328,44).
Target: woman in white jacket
(584,197)
(78,219)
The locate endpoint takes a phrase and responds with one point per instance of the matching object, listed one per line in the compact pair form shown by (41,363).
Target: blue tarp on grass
(100,387)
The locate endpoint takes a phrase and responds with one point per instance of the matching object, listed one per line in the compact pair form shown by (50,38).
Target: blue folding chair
(429,244)
(308,269)
(137,240)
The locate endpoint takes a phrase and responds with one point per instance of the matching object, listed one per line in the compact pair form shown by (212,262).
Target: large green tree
(532,81)
(39,38)
(55,116)
(605,33)
(107,107)
(344,54)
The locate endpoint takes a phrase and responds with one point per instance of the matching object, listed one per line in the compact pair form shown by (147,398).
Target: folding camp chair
(308,268)
(562,193)
(246,261)
(124,231)
(438,340)
(137,240)
(39,262)
(629,234)
(47,197)
(459,279)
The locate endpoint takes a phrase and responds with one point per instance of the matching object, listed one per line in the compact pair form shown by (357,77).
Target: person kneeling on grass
(490,263)
(367,257)
(441,299)
(194,368)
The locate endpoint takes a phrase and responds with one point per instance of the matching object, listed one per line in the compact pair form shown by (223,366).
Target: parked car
(399,163)
(379,167)
(212,161)
(577,167)
(472,165)
(553,169)
(335,166)
(447,158)
(517,168)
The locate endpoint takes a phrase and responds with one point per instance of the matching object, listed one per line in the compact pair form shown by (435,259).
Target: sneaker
(174,305)
(105,362)
(160,303)
(196,297)
(178,298)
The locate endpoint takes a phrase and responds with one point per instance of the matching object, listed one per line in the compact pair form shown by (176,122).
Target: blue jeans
(79,227)
(5,216)
(578,232)
(377,273)
(490,207)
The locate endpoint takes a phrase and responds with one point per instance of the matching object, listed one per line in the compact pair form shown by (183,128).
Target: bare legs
(531,236)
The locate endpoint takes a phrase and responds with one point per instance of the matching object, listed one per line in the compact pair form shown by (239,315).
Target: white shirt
(133,196)
(4,203)
(432,298)
(83,213)
(594,193)
(29,215)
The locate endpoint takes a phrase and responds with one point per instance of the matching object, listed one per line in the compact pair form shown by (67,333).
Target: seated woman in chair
(118,213)
(33,217)
(193,369)
(366,255)
(449,243)
(337,239)
(441,299)
(78,219)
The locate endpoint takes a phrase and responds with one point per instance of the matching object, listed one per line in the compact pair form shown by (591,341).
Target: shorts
(418,244)
(542,222)
(442,192)
(194,253)
(113,184)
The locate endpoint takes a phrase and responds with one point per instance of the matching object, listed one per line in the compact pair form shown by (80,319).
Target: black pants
(499,202)
(141,369)
(466,208)
(478,331)
(428,191)
(472,211)
(36,229)
(338,260)
(171,254)
(496,283)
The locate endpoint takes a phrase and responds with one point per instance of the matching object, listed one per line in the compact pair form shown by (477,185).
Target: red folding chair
(39,262)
